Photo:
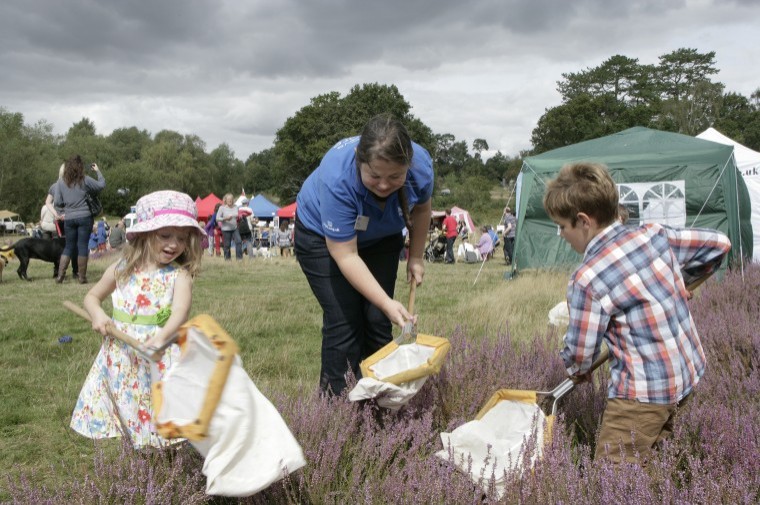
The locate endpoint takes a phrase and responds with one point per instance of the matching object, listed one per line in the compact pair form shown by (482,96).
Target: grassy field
(266,305)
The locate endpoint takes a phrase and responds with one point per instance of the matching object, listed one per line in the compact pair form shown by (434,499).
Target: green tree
(259,168)
(500,167)
(479,145)
(751,130)
(125,185)
(582,118)
(619,77)
(128,143)
(309,134)
(441,150)
(674,95)
(82,140)
(690,100)
(227,169)
(28,164)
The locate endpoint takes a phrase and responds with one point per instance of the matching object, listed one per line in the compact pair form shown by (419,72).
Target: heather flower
(359,453)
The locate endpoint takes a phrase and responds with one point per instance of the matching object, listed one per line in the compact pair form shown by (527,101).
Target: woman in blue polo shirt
(351,212)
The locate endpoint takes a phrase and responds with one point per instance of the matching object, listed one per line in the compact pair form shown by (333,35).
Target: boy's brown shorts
(630,427)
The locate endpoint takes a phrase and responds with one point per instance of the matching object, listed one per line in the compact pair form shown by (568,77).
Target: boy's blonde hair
(582,187)
(144,246)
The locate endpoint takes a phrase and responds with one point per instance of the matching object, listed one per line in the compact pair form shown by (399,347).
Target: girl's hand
(102,323)
(155,342)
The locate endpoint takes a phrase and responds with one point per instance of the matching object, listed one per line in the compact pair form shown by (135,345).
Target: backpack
(243,228)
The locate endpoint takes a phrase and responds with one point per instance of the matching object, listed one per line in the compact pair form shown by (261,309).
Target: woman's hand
(396,312)
(415,268)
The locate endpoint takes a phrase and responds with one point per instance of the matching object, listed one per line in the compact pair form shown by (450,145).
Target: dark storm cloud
(233,71)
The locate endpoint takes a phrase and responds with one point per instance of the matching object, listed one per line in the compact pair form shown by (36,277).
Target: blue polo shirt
(333,196)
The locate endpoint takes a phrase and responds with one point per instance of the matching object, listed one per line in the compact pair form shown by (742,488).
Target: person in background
(246,236)
(58,222)
(630,293)
(450,229)
(462,229)
(92,243)
(485,243)
(47,223)
(494,237)
(204,239)
(227,216)
(351,211)
(116,238)
(102,236)
(464,248)
(510,226)
(210,230)
(405,249)
(70,195)
(283,239)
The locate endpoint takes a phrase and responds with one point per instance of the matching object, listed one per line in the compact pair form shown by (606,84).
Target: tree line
(675,95)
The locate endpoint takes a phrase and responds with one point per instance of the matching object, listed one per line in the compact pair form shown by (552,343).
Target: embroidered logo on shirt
(329,226)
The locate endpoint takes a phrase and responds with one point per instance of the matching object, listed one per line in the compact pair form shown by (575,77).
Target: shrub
(357,453)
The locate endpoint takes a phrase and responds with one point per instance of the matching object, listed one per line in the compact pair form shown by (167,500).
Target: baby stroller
(436,249)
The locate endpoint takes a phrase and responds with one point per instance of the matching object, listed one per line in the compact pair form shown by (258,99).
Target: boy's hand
(581,378)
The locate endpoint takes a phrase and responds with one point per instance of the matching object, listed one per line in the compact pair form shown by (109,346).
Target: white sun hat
(165,208)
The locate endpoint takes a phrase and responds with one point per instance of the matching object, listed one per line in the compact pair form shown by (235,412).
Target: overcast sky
(233,70)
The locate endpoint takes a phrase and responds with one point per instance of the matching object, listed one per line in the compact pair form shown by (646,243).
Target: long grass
(265,304)
(356,453)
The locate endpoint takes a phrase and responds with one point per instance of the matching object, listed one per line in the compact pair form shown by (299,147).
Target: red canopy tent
(206,206)
(287,212)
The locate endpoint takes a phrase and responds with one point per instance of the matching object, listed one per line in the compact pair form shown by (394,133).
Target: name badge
(361,223)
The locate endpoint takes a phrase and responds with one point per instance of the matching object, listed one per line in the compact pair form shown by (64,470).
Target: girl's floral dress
(116,397)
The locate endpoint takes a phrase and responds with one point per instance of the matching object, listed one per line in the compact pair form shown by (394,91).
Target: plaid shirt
(630,291)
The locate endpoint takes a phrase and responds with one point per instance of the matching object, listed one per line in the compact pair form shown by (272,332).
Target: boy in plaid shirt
(630,292)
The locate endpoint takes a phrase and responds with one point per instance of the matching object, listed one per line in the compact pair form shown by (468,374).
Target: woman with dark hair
(351,213)
(71,201)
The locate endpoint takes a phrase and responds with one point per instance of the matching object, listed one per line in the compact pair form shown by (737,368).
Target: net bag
(396,372)
(509,427)
(397,364)
(209,399)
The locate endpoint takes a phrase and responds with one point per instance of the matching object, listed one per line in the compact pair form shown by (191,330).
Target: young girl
(151,292)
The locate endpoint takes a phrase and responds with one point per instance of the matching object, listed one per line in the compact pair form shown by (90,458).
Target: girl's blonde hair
(143,248)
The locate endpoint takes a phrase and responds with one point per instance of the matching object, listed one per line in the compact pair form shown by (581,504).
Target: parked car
(10,224)
(130,220)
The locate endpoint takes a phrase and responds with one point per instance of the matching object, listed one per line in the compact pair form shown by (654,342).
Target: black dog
(41,249)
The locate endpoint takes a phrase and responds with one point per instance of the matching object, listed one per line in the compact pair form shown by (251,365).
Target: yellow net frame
(432,366)
(227,349)
(518,395)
